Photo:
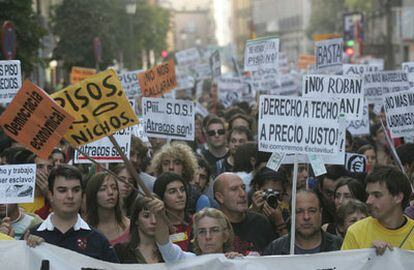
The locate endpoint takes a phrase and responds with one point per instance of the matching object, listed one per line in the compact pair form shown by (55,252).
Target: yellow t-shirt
(362,233)
(39,202)
(5,237)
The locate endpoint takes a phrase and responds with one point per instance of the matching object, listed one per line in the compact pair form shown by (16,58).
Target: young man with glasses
(216,142)
(388,193)
(309,238)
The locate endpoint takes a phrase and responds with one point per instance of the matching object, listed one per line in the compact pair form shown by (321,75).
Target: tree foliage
(28,31)
(326,17)
(77,22)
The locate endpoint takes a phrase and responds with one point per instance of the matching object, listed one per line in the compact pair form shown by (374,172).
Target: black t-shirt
(252,234)
(212,161)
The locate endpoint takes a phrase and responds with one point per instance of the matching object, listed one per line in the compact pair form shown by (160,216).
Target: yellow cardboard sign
(319,37)
(78,74)
(99,106)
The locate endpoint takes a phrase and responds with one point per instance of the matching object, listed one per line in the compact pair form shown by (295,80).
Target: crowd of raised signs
(217,193)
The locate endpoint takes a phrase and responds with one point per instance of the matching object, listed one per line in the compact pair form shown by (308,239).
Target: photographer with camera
(268,189)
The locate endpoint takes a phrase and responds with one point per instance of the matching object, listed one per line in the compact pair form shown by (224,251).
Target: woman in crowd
(369,152)
(141,247)
(349,213)
(128,188)
(103,208)
(177,157)
(213,234)
(347,188)
(172,190)
(267,195)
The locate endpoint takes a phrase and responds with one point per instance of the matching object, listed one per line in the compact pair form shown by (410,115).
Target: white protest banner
(359,69)
(261,53)
(408,67)
(358,259)
(266,79)
(360,127)
(298,125)
(130,84)
(201,110)
(184,79)
(188,57)
(378,83)
(138,131)
(17,183)
(215,64)
(231,90)
(355,162)
(317,164)
(288,86)
(10,79)
(103,151)
(169,118)
(399,111)
(275,161)
(329,54)
(346,88)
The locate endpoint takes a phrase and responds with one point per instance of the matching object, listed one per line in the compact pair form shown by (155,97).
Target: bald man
(252,230)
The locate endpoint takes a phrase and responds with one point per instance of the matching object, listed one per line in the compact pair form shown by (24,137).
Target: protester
(309,236)
(138,156)
(17,222)
(244,162)
(103,208)
(201,182)
(64,227)
(347,214)
(252,230)
(267,194)
(216,142)
(172,190)
(388,194)
(127,186)
(57,157)
(141,247)
(369,152)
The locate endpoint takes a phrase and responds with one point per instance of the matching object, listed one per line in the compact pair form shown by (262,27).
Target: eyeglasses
(214,132)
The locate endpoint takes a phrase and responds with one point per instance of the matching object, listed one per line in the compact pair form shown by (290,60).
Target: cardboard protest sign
(215,64)
(202,70)
(99,106)
(169,118)
(360,127)
(266,80)
(317,164)
(158,80)
(355,162)
(17,183)
(378,83)
(184,79)
(329,54)
(288,86)
(130,84)
(298,125)
(261,53)
(103,151)
(188,57)
(78,74)
(399,111)
(35,120)
(359,69)
(346,88)
(10,79)
(230,90)
(408,67)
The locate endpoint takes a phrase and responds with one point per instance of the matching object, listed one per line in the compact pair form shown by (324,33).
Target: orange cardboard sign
(78,74)
(35,120)
(158,80)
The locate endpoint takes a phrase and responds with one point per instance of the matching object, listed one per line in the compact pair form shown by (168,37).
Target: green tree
(28,31)
(77,22)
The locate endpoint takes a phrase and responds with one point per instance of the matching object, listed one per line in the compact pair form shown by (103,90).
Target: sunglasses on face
(213,132)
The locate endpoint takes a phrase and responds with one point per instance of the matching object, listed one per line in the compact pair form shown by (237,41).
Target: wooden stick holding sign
(108,171)
(293,208)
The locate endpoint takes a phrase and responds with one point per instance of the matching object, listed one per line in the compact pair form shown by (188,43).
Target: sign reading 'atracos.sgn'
(298,125)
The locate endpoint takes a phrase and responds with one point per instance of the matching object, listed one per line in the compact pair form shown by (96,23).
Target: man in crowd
(388,193)
(216,142)
(237,136)
(309,238)
(64,227)
(252,230)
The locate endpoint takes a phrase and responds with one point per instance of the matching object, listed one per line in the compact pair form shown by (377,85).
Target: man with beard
(388,193)
(309,238)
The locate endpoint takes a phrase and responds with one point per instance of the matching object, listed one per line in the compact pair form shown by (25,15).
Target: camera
(272,197)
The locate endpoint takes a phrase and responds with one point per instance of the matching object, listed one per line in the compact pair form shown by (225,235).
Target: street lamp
(131,9)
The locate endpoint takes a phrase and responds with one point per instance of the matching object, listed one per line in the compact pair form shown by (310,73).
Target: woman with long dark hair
(103,210)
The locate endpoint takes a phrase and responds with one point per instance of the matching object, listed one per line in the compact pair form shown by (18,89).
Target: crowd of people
(213,195)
